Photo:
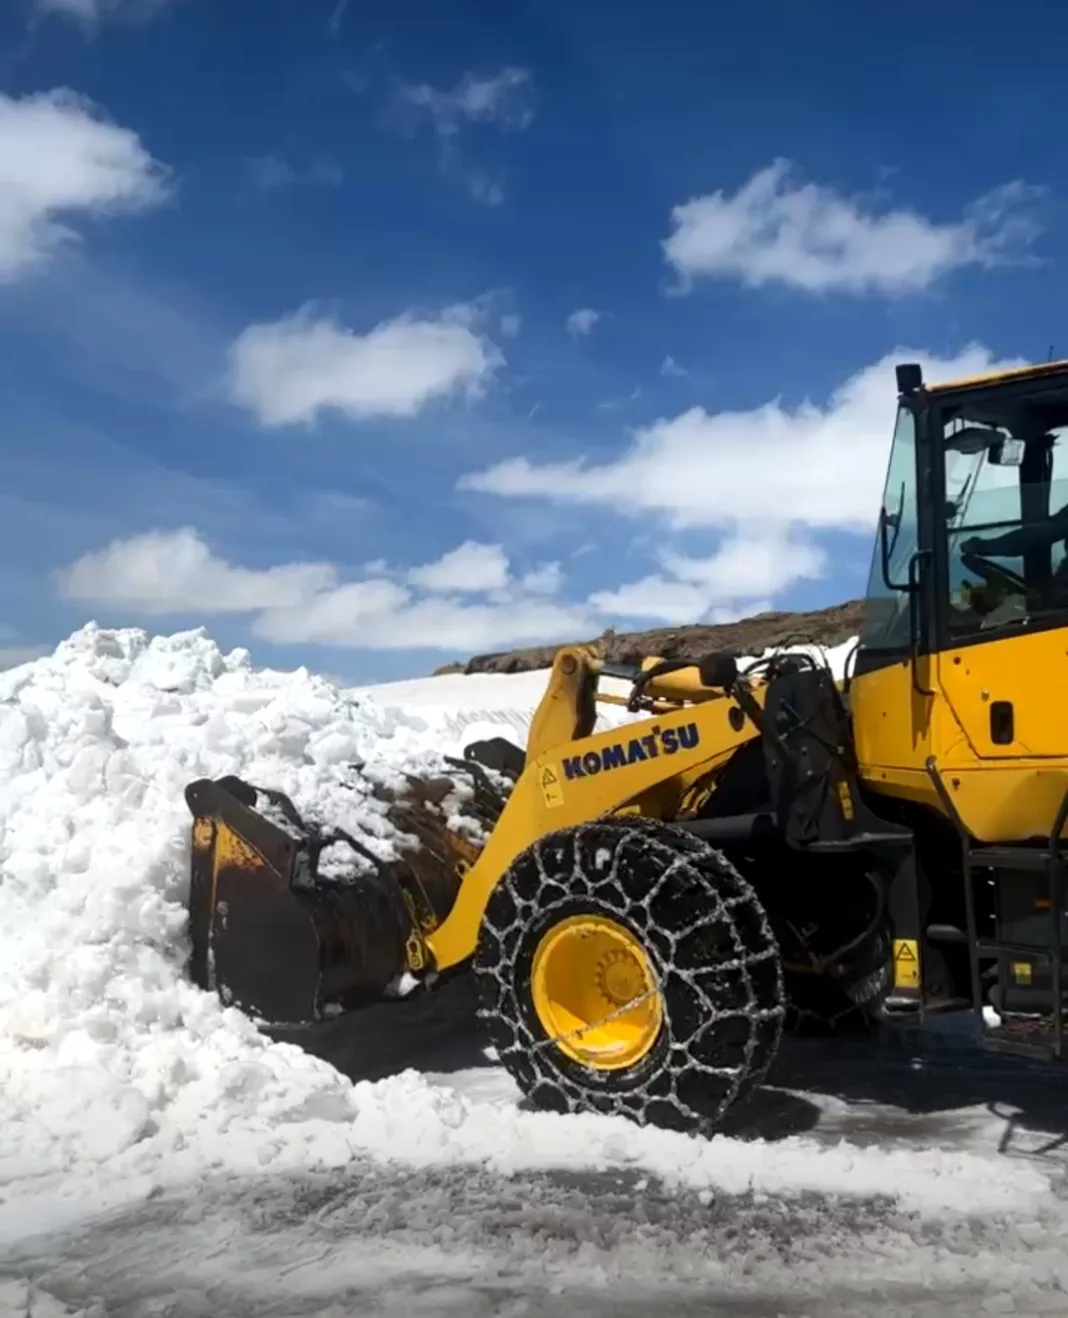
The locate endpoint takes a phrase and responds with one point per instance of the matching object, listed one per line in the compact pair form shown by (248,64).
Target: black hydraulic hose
(840,953)
(881,902)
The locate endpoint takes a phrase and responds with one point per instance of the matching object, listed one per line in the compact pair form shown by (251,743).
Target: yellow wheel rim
(587,968)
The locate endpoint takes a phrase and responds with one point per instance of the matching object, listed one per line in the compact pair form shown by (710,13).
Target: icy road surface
(160,1157)
(447,1240)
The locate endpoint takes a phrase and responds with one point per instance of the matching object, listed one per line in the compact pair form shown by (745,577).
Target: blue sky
(375,335)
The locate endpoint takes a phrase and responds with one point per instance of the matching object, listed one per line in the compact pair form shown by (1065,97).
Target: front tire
(625,967)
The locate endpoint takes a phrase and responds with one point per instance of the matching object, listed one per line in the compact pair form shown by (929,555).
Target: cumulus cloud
(345,618)
(287,371)
(816,465)
(176,573)
(813,238)
(469,568)
(757,487)
(581,322)
(171,572)
(61,158)
(466,600)
(741,576)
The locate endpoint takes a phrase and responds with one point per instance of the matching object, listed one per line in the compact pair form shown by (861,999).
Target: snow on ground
(118,1079)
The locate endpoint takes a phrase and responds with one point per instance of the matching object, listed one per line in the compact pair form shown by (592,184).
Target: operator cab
(972,539)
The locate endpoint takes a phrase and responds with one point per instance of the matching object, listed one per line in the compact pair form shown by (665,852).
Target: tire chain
(657,856)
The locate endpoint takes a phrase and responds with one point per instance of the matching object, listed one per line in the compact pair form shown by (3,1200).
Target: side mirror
(718,670)
(1008,452)
(886,546)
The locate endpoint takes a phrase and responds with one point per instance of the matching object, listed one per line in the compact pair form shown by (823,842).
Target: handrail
(1056,880)
(931,765)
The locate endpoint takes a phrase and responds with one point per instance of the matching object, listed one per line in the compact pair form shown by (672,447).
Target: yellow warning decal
(906,963)
(551,789)
(1021,972)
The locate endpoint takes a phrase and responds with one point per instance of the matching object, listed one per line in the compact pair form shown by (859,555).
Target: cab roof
(1044,370)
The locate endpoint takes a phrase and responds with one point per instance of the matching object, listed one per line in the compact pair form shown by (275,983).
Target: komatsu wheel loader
(656,903)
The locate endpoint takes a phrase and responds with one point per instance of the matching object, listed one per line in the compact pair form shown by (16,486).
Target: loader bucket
(273,936)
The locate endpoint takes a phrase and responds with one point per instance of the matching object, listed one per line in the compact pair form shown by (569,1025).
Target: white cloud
(581,322)
(510,325)
(669,366)
(811,237)
(173,572)
(287,371)
(820,466)
(657,599)
(653,598)
(761,562)
(345,618)
(470,568)
(177,573)
(60,157)
(753,566)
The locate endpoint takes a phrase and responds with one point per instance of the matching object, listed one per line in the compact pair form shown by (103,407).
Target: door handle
(915,586)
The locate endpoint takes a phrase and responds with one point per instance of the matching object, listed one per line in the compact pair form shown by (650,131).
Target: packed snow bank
(114,1068)
(462,709)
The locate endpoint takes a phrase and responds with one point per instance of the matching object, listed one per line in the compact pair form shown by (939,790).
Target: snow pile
(114,1068)
(469,708)
(103,1045)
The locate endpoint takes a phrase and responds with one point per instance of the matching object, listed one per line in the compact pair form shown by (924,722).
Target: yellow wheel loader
(653,905)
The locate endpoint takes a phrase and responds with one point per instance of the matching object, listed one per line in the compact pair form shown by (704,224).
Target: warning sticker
(906,963)
(551,789)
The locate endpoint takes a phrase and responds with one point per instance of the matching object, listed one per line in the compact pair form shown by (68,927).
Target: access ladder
(1041,1035)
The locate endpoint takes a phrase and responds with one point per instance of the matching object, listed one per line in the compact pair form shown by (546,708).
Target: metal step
(1011,858)
(1025,951)
(1032,1037)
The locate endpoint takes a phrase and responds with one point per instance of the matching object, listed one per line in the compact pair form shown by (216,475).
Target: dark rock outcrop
(750,636)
